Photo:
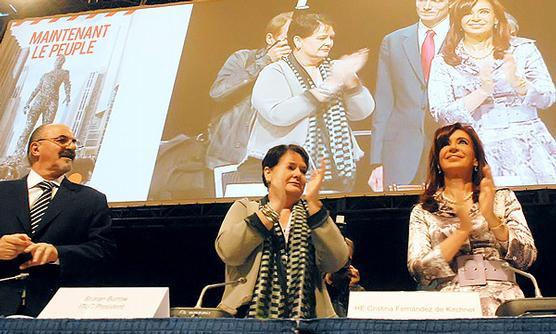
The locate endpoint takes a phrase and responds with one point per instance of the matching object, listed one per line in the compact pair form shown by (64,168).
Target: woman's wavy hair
(435,176)
(501,36)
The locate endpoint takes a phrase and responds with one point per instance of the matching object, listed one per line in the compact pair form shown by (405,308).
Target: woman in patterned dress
(281,245)
(464,229)
(496,83)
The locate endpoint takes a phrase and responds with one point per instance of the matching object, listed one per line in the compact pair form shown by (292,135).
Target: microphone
(240,280)
(538,305)
(15,278)
(538,294)
(205,312)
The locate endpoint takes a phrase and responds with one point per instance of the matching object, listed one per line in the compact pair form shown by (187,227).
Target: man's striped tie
(41,205)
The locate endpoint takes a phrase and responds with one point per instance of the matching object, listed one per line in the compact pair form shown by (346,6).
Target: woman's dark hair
(305,24)
(274,155)
(435,177)
(501,36)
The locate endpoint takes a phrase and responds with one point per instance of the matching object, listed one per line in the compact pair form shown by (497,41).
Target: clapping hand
(11,245)
(315,183)
(462,207)
(277,195)
(376,179)
(485,75)
(356,60)
(510,71)
(42,253)
(347,66)
(486,197)
(313,188)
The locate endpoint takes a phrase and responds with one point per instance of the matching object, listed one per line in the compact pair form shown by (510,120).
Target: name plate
(108,303)
(413,305)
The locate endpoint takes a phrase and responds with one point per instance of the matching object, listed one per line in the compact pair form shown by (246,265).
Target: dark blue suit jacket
(77,223)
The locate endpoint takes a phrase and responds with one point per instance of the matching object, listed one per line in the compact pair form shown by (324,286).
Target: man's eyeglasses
(63,141)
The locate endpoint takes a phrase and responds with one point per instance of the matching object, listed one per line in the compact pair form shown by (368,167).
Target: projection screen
(158,100)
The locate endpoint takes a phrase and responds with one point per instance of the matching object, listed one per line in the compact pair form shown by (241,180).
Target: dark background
(174,245)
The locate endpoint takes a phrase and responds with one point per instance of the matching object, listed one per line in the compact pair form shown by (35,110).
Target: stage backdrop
(139,88)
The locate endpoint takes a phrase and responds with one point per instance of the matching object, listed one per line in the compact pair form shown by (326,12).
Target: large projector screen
(157,97)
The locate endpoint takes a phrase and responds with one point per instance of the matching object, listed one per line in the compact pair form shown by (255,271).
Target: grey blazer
(402,126)
(240,248)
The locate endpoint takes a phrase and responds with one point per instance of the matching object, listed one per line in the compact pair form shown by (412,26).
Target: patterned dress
(428,267)
(519,148)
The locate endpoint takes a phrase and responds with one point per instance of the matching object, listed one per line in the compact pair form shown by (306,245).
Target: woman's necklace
(452,201)
(479,54)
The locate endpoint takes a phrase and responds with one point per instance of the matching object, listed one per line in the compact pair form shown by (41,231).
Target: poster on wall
(94,73)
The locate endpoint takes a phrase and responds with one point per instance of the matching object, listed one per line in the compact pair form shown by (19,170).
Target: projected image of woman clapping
(307,99)
(496,83)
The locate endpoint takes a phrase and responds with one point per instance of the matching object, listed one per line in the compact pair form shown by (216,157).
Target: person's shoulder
(83,189)
(401,32)
(277,66)
(519,41)
(241,55)
(504,192)
(522,46)
(244,52)
(9,184)
(417,208)
(246,204)
(280,64)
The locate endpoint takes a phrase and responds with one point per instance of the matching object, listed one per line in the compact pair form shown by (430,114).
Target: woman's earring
(475,168)
(297,43)
(439,170)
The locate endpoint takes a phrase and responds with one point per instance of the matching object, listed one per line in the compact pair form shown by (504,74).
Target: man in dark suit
(56,231)
(401,121)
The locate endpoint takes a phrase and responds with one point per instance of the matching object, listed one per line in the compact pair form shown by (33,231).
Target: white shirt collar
(440,32)
(440,29)
(34,178)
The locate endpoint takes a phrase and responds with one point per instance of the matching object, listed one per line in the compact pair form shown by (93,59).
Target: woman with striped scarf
(307,99)
(282,245)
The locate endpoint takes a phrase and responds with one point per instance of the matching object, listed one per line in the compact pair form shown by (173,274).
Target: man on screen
(230,130)
(402,125)
(44,98)
(55,230)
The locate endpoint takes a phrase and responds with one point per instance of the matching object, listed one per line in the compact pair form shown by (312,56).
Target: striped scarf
(287,275)
(328,135)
